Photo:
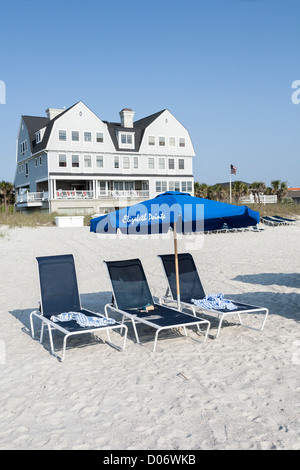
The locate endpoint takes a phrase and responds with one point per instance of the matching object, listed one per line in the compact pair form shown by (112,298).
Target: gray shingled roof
(138,129)
(35,123)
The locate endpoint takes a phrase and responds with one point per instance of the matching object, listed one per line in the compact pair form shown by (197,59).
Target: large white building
(73,162)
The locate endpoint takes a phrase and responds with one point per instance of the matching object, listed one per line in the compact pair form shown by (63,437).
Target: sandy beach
(241,391)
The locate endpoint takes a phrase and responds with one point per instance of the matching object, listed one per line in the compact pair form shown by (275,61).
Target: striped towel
(82,319)
(214,302)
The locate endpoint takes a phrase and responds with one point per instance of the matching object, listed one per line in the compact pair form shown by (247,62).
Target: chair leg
(135,331)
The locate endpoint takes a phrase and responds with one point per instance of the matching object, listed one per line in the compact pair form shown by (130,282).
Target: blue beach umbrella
(181,212)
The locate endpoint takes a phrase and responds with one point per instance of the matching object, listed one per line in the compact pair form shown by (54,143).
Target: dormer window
(126,140)
(38,137)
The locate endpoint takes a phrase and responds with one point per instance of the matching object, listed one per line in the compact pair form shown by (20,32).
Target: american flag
(233,169)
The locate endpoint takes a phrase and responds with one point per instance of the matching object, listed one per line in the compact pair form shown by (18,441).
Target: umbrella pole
(176,266)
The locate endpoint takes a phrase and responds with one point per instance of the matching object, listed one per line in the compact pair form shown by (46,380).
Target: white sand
(243,389)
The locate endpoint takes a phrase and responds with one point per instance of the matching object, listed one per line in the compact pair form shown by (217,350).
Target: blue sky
(224,68)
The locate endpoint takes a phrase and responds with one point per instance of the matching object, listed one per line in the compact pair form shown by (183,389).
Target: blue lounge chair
(269,220)
(284,220)
(59,295)
(132,299)
(191,288)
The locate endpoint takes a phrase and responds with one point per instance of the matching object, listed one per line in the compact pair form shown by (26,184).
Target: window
(126,140)
(99,136)
(177,185)
(181,164)
(116,161)
(189,186)
(161,164)
(151,163)
(36,162)
(26,170)
(151,140)
(162,141)
(87,161)
(171,164)
(172,141)
(171,185)
(75,161)
(183,186)
(88,137)
(182,142)
(40,161)
(99,161)
(38,137)
(161,186)
(24,147)
(62,159)
(75,136)
(135,162)
(126,163)
(62,135)
(158,186)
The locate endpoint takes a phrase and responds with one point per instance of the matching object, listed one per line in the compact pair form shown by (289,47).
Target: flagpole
(230,187)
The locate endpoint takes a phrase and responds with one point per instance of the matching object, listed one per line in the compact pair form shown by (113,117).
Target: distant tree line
(220,192)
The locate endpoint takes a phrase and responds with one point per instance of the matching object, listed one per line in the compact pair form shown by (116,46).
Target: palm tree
(239,190)
(6,191)
(201,190)
(280,189)
(257,188)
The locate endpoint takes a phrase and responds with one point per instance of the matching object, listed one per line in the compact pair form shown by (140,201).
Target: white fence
(263,199)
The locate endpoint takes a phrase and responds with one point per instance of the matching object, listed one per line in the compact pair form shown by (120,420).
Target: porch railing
(33,197)
(102,194)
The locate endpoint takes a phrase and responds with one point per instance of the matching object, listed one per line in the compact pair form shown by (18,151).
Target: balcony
(32,199)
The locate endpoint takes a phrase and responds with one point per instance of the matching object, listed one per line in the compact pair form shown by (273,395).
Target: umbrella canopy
(191,214)
(179,211)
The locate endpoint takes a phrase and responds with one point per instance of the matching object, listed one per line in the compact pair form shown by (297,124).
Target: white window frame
(161,141)
(150,142)
(126,162)
(169,161)
(99,158)
(74,163)
(101,141)
(127,135)
(161,160)
(116,162)
(151,160)
(59,135)
(181,161)
(38,137)
(75,140)
(61,160)
(181,141)
(85,135)
(135,163)
(23,147)
(172,142)
(87,161)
